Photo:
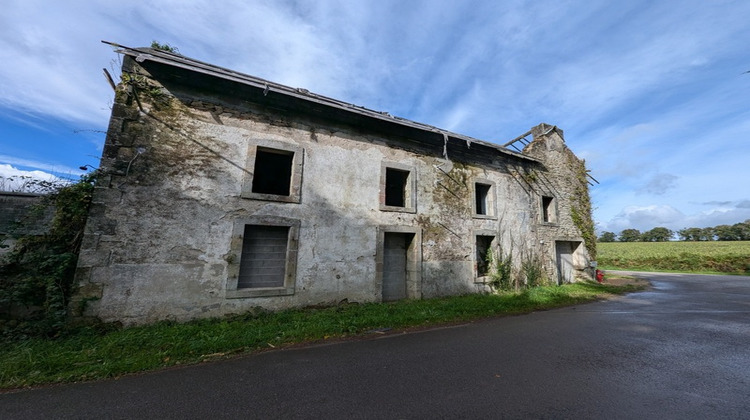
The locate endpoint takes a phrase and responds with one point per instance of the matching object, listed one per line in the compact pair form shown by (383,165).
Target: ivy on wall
(36,276)
(580,206)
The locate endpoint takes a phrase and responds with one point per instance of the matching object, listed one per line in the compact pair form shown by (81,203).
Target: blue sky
(652,94)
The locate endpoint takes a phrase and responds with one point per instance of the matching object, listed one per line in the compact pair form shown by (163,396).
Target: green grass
(725,257)
(90,354)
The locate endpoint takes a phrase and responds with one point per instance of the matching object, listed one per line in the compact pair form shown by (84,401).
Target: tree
(690,234)
(743,230)
(657,234)
(607,237)
(726,233)
(630,235)
(707,234)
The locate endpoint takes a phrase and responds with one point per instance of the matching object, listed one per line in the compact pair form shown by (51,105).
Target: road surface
(679,350)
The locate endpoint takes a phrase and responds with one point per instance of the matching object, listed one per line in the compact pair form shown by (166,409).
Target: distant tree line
(735,232)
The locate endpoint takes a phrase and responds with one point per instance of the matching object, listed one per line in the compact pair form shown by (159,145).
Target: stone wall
(165,234)
(19,217)
(564,178)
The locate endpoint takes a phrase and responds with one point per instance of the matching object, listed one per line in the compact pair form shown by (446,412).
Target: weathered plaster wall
(159,241)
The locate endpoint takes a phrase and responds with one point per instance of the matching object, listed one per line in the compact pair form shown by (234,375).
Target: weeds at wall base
(503,278)
(500,270)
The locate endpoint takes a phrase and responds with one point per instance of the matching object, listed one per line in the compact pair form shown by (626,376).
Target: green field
(732,257)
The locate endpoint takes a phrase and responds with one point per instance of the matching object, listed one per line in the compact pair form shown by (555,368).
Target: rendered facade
(221,192)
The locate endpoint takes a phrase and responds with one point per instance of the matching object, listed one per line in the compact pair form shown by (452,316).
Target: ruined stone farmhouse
(220,192)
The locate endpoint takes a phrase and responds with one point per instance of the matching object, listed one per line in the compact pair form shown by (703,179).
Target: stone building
(220,192)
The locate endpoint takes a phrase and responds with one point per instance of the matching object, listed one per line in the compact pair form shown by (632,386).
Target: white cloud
(53,71)
(725,213)
(651,94)
(14,179)
(41,167)
(645,218)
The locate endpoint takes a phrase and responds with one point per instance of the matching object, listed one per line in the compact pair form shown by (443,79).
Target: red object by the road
(599,276)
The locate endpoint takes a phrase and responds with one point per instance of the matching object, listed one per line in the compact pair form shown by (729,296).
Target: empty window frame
(264,257)
(483,249)
(484,200)
(274,172)
(548,210)
(398,188)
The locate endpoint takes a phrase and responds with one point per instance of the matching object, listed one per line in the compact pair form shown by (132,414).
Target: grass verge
(90,354)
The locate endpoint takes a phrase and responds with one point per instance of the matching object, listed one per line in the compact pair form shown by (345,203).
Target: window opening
(264,255)
(396,182)
(483,249)
(482,197)
(273,171)
(547,209)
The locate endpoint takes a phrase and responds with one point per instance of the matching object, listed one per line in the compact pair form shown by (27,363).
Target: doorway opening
(569,259)
(400,266)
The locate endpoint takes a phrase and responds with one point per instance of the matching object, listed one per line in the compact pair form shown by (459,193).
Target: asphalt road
(680,350)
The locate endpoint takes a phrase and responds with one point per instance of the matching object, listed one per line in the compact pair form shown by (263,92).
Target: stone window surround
(491,199)
(411,188)
(295,184)
(550,209)
(414,259)
(493,247)
(235,253)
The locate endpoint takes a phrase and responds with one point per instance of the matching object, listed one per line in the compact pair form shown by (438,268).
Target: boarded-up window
(548,210)
(264,256)
(273,171)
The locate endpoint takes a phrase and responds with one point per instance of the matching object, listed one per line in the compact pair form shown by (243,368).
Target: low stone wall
(18,217)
